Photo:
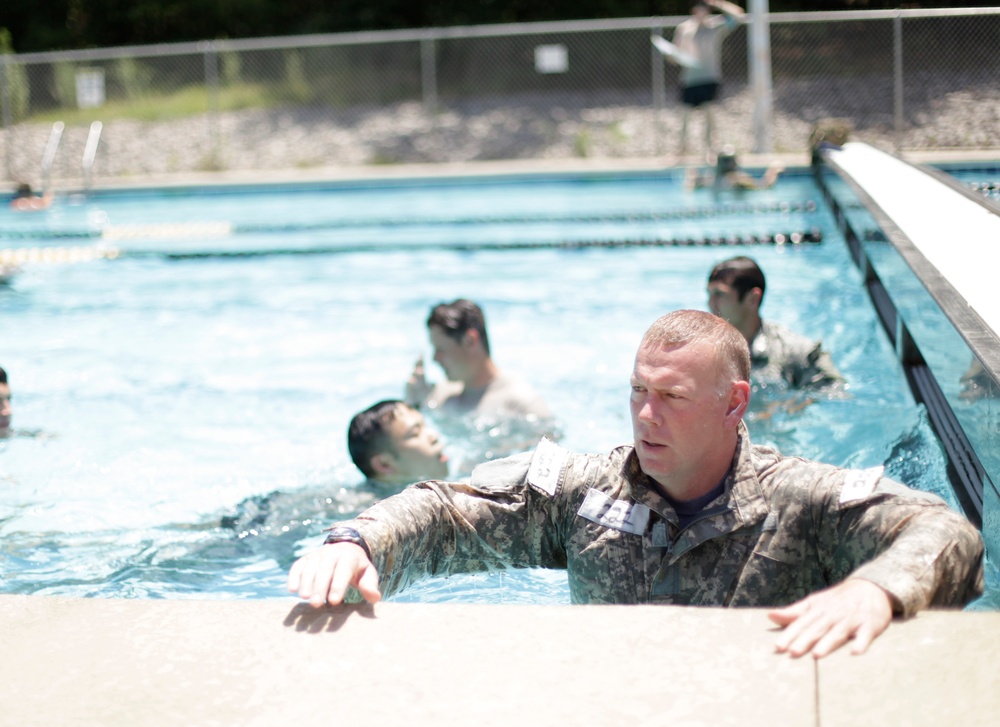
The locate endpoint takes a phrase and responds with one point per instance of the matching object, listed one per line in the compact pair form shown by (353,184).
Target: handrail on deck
(49,156)
(90,151)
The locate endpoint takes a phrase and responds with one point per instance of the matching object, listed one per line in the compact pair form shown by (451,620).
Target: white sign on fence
(90,88)
(551,58)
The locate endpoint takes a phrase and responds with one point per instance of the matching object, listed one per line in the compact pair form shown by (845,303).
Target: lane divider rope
(220,229)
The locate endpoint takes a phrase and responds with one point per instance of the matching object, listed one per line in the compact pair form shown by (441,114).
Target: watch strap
(343,534)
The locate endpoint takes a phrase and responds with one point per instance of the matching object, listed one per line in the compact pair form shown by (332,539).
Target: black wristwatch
(343,534)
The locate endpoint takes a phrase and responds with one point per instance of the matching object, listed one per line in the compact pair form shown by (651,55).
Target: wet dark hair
(367,435)
(741,272)
(23,190)
(726,163)
(3,376)
(700,4)
(458,317)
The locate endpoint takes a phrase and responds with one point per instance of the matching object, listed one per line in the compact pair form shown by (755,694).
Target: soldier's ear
(471,338)
(384,463)
(739,400)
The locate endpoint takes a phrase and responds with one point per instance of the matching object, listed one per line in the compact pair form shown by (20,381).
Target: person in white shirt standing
(700,37)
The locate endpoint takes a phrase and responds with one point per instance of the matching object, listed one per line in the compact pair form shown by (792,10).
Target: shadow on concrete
(304,617)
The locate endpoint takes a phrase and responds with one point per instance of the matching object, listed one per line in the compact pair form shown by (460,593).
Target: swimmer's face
(419,451)
(724,301)
(5,408)
(449,353)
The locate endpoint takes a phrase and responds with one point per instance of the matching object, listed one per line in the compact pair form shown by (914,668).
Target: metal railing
(49,157)
(906,79)
(90,153)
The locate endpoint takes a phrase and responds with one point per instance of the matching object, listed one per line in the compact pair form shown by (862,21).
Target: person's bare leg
(685,116)
(709,133)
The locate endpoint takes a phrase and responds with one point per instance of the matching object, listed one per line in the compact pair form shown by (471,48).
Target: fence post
(428,73)
(659,90)
(211,57)
(897,27)
(6,114)
(760,74)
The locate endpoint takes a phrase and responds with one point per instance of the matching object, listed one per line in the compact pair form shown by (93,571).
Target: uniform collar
(742,502)
(743,488)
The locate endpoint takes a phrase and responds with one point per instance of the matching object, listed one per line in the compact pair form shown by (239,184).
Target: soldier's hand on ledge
(854,610)
(324,575)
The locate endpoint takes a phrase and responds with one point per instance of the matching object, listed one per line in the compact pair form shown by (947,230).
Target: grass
(184,102)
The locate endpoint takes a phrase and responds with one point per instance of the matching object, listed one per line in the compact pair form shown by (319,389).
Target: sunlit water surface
(156,396)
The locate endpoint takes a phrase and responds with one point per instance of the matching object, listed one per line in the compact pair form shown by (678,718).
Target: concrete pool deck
(181,662)
(371,172)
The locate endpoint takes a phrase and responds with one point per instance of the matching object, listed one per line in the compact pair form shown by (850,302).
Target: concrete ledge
(138,662)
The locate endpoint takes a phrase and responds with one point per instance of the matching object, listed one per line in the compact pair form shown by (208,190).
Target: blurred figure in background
(25,199)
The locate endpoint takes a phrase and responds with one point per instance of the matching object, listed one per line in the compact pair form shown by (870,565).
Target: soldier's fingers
(320,573)
(788,614)
(345,571)
(863,638)
(838,634)
(799,635)
(368,585)
(294,576)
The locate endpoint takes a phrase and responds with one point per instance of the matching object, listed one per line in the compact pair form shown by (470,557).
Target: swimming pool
(220,351)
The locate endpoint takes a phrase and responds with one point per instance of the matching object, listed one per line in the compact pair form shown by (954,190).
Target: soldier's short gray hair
(732,354)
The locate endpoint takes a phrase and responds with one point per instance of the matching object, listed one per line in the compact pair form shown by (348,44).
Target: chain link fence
(903,79)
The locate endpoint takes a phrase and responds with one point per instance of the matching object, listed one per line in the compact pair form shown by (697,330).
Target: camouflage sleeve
(494,522)
(908,542)
(819,369)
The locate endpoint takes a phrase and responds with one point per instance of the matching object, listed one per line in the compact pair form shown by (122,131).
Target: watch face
(344,534)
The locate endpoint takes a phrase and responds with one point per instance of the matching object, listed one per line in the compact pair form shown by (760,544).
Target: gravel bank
(567,127)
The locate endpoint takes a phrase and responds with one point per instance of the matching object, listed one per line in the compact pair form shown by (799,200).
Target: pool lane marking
(167,230)
(18,256)
(221,229)
(24,255)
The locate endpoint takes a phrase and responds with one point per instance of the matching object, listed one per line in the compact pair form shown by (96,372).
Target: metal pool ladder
(49,156)
(90,152)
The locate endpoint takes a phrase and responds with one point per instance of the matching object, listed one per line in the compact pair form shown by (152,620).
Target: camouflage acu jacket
(777,353)
(784,528)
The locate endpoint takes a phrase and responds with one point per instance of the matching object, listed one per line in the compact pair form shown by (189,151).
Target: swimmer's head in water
(457,331)
(391,442)
(455,319)
(726,162)
(23,190)
(5,409)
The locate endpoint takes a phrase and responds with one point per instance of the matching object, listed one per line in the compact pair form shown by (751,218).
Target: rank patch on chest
(859,484)
(546,467)
(629,517)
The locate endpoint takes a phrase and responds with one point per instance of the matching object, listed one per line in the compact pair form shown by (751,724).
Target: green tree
(15,93)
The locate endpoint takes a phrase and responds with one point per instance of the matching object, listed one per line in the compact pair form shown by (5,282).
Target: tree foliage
(73,24)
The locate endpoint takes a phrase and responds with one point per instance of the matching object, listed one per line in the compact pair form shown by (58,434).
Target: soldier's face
(450,354)
(5,409)
(678,413)
(724,301)
(419,451)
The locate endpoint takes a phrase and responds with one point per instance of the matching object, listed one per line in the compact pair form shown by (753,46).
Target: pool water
(158,391)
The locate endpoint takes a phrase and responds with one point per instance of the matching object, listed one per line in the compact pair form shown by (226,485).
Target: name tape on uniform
(629,517)
(547,464)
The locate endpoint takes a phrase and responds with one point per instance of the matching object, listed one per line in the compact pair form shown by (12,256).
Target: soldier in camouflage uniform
(691,513)
(736,292)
